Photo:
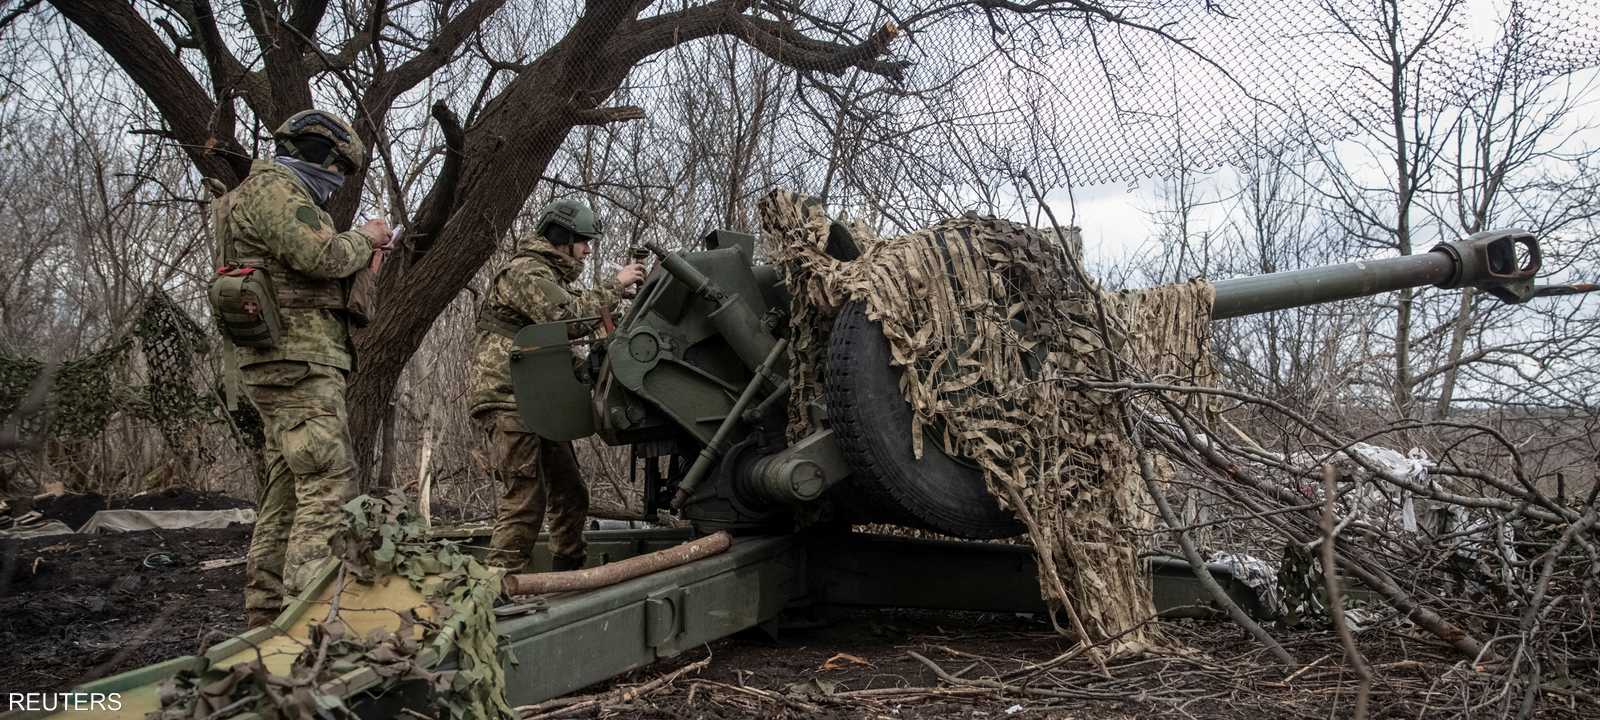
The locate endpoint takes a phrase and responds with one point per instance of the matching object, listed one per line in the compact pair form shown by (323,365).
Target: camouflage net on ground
(384,538)
(994,326)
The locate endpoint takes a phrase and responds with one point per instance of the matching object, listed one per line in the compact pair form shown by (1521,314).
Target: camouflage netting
(84,393)
(993,326)
(173,345)
(87,392)
(384,538)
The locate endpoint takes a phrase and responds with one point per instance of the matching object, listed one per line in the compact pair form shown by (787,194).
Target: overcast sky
(1117,217)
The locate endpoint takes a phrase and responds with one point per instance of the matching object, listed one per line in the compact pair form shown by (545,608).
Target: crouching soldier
(281,299)
(534,287)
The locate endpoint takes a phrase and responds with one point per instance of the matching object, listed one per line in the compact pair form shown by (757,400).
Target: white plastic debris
(1257,574)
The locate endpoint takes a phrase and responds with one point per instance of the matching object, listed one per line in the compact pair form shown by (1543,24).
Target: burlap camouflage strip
(992,328)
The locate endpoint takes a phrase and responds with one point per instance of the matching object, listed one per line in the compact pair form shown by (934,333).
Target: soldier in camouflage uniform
(274,221)
(532,288)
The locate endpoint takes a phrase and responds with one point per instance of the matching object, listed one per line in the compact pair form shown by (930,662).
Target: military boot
(561,563)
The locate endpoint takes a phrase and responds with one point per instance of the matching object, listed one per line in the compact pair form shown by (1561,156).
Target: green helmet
(347,149)
(574,215)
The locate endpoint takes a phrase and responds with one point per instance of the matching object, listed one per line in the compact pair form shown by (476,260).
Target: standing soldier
(292,341)
(532,288)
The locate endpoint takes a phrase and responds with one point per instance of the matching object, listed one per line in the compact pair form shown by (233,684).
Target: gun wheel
(872,423)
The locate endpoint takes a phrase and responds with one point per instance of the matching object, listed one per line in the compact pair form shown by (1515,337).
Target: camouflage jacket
(271,216)
(515,296)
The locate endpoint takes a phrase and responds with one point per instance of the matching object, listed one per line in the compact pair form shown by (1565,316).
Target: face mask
(321,181)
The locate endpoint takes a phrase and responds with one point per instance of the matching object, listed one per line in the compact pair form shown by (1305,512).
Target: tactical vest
(504,321)
(247,293)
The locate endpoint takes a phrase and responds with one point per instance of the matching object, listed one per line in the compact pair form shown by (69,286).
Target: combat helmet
(347,148)
(576,217)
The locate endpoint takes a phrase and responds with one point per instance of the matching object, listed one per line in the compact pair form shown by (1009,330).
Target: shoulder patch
(308,217)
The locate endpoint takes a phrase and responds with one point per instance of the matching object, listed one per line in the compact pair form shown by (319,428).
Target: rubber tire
(872,423)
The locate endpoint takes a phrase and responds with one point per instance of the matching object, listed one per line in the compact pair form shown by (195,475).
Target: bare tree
(219,75)
(1512,160)
(1381,218)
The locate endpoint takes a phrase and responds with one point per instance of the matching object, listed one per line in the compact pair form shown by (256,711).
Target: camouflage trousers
(535,473)
(310,475)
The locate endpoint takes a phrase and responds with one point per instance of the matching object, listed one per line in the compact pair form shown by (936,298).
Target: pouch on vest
(359,289)
(246,306)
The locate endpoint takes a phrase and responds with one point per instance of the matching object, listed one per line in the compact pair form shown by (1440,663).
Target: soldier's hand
(377,232)
(630,275)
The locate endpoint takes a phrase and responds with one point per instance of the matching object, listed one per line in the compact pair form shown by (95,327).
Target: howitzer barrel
(1278,291)
(1503,262)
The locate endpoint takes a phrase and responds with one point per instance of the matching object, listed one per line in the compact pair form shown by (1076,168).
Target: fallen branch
(566,706)
(995,685)
(222,563)
(1198,564)
(1330,531)
(765,695)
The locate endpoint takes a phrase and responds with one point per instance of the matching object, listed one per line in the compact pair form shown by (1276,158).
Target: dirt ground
(78,607)
(74,608)
(863,667)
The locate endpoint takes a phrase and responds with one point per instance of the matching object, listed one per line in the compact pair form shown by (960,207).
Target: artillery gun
(694,380)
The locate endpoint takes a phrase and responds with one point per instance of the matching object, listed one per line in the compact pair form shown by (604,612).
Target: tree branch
(21,9)
(783,43)
(779,41)
(180,41)
(441,198)
(142,54)
(606,115)
(307,15)
(406,75)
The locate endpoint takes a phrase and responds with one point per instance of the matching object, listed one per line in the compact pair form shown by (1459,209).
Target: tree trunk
(1458,342)
(502,170)
(424,478)
(387,448)
(1403,394)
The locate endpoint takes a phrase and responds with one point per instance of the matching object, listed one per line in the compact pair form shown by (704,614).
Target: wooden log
(613,573)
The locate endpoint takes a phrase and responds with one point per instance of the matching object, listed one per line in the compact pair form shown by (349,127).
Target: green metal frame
(569,642)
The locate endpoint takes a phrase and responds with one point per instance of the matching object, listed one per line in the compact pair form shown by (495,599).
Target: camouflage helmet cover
(574,215)
(347,146)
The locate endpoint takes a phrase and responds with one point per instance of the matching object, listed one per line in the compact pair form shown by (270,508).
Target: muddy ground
(78,607)
(74,608)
